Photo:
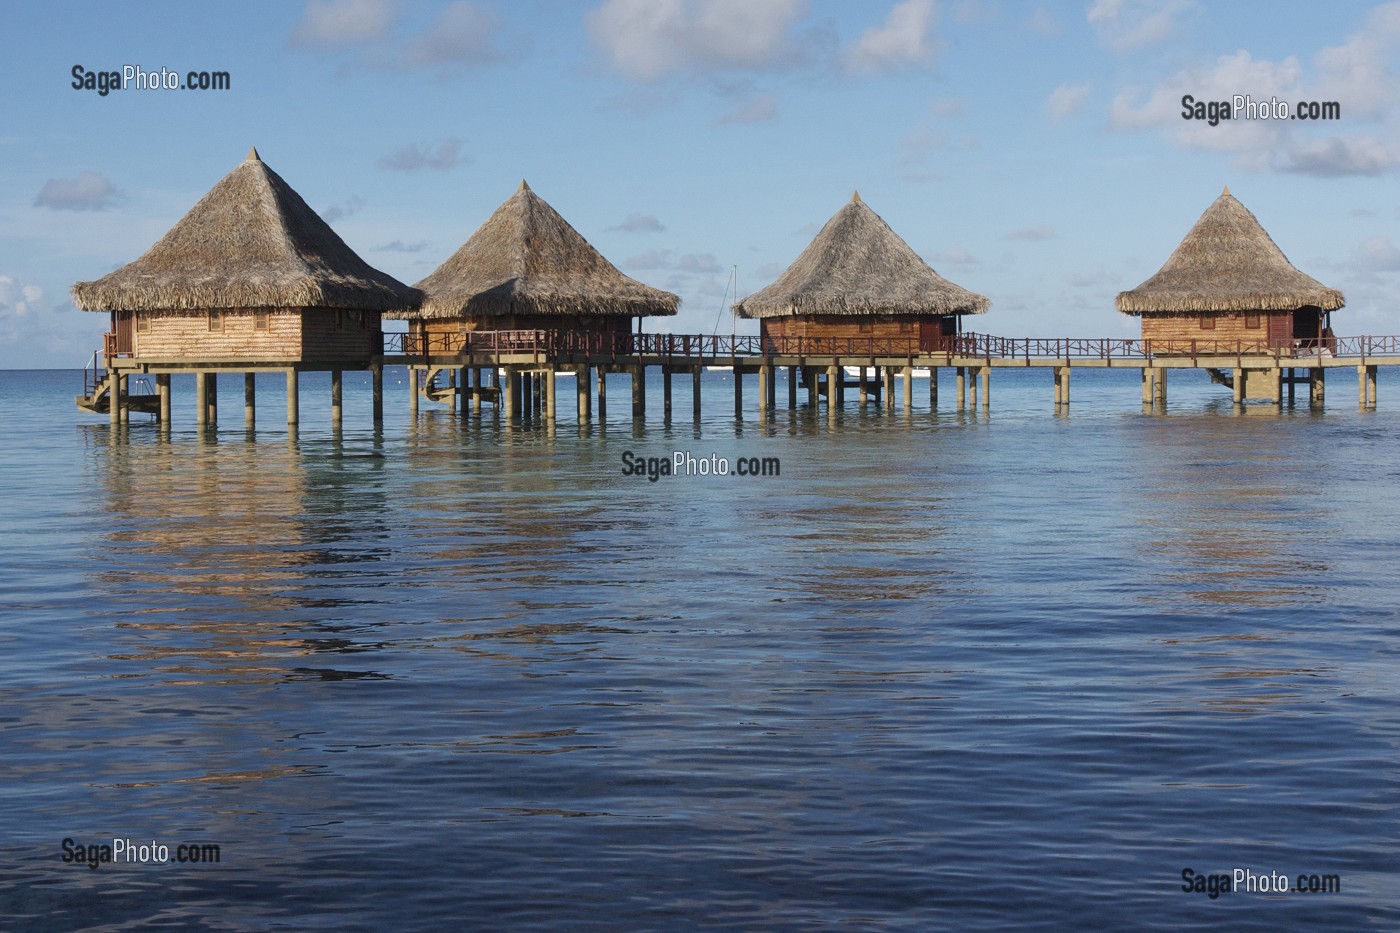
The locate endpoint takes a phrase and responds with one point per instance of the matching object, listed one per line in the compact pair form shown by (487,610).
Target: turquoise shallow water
(946,671)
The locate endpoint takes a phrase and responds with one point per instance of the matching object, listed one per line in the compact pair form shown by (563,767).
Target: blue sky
(1033,152)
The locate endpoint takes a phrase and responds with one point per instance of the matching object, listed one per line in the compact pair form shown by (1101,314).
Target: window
(143,324)
(262,319)
(906,327)
(867,327)
(1207,322)
(1251,320)
(216,322)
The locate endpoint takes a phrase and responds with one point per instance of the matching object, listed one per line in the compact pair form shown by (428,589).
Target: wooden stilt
(666,392)
(1317,385)
(293,397)
(738,390)
(602,395)
(376,372)
(639,391)
(1276,384)
(908,388)
(933,388)
(1238,388)
(763,377)
(986,388)
(960,383)
(336,379)
(792,387)
(163,391)
(115,402)
(213,396)
(810,374)
(250,402)
(887,386)
(124,394)
(585,399)
(550,395)
(864,392)
(695,391)
(201,399)
(413,391)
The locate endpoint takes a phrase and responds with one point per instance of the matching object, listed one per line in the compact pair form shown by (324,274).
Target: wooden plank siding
(235,336)
(925,329)
(1274,327)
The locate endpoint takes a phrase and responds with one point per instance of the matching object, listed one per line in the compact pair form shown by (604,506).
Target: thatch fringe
(857,265)
(527,260)
(1227,262)
(251,242)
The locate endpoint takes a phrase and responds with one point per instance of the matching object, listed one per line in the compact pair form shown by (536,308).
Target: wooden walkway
(516,370)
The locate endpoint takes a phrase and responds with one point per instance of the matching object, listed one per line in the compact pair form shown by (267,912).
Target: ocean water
(947,670)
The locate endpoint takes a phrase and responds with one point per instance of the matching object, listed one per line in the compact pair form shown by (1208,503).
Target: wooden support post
(639,391)
(1276,384)
(933,388)
(1371,385)
(293,397)
(864,392)
(738,390)
(115,400)
(537,394)
(124,389)
(602,395)
(810,374)
(476,389)
(413,391)
(1317,385)
(250,402)
(336,379)
(550,395)
(833,376)
(1148,390)
(201,399)
(163,391)
(840,386)
(986,387)
(1059,387)
(960,383)
(1361,392)
(585,399)
(1159,387)
(376,372)
(887,387)
(763,377)
(972,387)
(792,387)
(695,390)
(666,392)
(1292,384)
(908,388)
(1238,387)
(510,397)
(1064,386)
(213,396)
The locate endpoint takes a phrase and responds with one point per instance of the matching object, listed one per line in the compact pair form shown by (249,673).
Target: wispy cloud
(414,157)
(89,191)
(340,211)
(639,223)
(340,23)
(399,246)
(1038,232)
(1127,25)
(373,31)
(1066,100)
(906,38)
(756,110)
(651,39)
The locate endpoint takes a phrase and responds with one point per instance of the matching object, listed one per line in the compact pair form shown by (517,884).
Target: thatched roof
(526,259)
(251,242)
(1227,263)
(857,265)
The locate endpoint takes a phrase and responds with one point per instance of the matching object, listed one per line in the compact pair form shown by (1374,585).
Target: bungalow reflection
(229,546)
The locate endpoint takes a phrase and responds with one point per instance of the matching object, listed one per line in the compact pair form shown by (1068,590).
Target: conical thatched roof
(526,259)
(1228,263)
(857,265)
(251,242)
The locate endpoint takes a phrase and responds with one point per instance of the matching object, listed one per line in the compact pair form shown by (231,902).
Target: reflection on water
(953,670)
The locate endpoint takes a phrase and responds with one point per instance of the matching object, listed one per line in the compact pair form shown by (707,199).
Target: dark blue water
(947,670)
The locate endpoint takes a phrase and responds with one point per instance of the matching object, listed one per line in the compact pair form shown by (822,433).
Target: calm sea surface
(952,671)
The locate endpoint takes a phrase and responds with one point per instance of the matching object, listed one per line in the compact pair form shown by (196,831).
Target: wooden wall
(188,336)
(1273,328)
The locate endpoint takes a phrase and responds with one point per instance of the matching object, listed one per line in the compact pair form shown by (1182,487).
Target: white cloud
(1338,156)
(345,22)
(757,110)
(690,263)
(1378,254)
(1043,22)
(462,34)
(89,191)
(906,38)
(1127,25)
(957,256)
(413,157)
(1065,100)
(399,246)
(651,39)
(1038,232)
(17,298)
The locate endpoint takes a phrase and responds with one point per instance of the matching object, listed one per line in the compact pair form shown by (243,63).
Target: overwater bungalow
(859,279)
(526,268)
(1228,284)
(251,278)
